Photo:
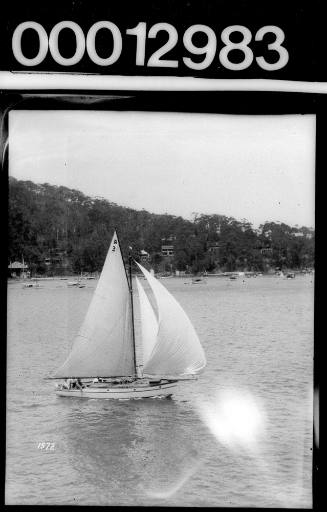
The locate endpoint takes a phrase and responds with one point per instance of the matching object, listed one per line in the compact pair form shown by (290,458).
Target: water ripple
(258,337)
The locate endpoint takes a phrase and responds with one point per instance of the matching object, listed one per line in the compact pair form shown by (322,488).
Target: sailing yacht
(105,355)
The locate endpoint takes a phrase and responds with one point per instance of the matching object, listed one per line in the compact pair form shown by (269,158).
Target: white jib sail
(149,324)
(178,350)
(104,344)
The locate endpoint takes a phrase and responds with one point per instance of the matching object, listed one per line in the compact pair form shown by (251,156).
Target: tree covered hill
(59,230)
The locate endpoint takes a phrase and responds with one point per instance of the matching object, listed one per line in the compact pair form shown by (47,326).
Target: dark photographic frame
(240,103)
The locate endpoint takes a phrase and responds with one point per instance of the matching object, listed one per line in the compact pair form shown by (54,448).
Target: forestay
(177,350)
(104,343)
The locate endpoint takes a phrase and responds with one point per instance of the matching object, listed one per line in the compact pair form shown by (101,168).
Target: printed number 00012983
(208,50)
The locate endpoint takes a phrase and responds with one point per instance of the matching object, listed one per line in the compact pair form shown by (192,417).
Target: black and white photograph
(160,309)
(161,174)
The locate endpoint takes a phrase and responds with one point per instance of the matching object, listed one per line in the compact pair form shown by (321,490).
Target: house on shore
(167,250)
(18,269)
(144,256)
(57,262)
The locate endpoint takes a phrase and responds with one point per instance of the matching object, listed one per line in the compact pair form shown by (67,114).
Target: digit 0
(80,43)
(17,43)
(117,43)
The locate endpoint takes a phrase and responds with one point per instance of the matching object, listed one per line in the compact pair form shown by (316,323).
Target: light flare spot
(235,417)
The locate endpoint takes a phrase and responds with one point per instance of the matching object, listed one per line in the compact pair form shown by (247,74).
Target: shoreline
(187,276)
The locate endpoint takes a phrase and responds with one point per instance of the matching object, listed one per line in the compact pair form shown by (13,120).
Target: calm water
(239,436)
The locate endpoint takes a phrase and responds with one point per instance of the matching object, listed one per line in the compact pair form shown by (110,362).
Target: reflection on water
(239,436)
(155,452)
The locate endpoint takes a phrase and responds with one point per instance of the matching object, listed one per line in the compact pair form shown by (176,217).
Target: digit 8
(242,46)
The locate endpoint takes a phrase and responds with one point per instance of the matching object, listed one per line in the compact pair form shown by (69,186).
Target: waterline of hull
(121,393)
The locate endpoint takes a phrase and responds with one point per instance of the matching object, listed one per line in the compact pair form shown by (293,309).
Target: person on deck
(66,384)
(71,383)
(78,384)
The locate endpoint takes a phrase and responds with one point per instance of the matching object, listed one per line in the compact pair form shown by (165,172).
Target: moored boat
(31,285)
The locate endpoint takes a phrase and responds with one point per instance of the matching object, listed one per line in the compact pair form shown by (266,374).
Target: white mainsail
(177,350)
(149,323)
(104,344)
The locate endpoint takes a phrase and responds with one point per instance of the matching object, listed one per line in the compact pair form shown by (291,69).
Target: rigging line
(132,309)
(129,282)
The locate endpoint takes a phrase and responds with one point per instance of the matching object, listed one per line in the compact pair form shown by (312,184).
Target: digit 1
(140,32)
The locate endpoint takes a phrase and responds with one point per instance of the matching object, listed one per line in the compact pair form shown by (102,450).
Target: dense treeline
(47,221)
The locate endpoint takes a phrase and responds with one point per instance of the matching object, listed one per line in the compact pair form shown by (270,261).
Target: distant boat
(198,280)
(31,285)
(77,284)
(105,348)
(233,277)
(163,276)
(290,275)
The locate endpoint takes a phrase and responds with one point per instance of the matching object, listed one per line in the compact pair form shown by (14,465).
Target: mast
(103,345)
(132,308)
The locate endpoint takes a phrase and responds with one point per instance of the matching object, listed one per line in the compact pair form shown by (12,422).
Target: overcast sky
(254,167)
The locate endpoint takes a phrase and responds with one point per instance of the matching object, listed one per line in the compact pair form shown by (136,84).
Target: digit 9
(209,49)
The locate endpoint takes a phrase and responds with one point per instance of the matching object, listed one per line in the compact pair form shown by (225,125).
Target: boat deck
(121,391)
